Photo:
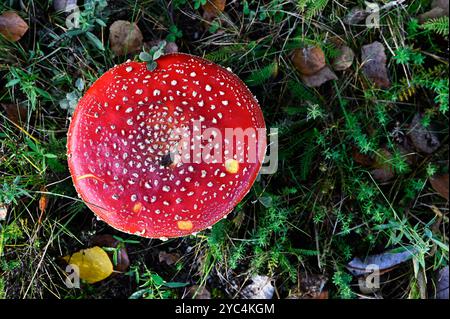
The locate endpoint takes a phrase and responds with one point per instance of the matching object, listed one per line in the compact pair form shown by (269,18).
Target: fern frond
(437,25)
(260,76)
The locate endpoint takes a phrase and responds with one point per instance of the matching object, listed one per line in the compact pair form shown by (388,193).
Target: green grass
(319,210)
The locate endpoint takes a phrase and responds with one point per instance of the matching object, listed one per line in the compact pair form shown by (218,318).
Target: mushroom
(140,177)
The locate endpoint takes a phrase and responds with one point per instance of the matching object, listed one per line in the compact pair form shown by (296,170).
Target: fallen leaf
(125,37)
(308,61)
(423,139)
(439,8)
(319,78)
(15,112)
(64,5)
(374,64)
(3,212)
(440,185)
(311,286)
(212,9)
(362,159)
(383,172)
(12,26)
(122,259)
(93,263)
(344,60)
(355,16)
(197,292)
(442,284)
(383,262)
(260,288)
(171,47)
(168,258)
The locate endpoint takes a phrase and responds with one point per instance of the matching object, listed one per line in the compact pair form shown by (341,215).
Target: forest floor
(360,99)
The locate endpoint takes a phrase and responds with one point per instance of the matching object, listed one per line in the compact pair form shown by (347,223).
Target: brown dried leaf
(125,37)
(383,172)
(355,16)
(309,61)
(344,60)
(312,286)
(439,8)
(319,78)
(197,292)
(15,112)
(171,47)
(374,64)
(12,26)
(440,185)
(423,139)
(106,240)
(213,8)
(168,258)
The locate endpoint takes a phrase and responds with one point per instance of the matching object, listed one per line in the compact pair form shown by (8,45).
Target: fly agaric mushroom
(121,146)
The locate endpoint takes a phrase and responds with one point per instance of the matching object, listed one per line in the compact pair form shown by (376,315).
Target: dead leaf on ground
(64,5)
(15,112)
(345,58)
(308,61)
(260,288)
(3,212)
(355,16)
(439,8)
(312,286)
(168,258)
(423,139)
(374,64)
(383,262)
(93,263)
(440,185)
(171,47)
(197,292)
(442,283)
(383,171)
(106,240)
(12,26)
(362,159)
(212,9)
(125,37)
(319,78)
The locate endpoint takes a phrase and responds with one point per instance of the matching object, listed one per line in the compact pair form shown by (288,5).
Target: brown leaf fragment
(383,172)
(106,240)
(212,9)
(439,8)
(308,61)
(12,26)
(440,185)
(125,37)
(374,64)
(355,16)
(423,139)
(15,112)
(319,78)
(197,292)
(171,47)
(312,286)
(344,60)
(168,258)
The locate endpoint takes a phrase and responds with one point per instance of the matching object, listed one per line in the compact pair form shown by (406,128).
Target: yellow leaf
(94,264)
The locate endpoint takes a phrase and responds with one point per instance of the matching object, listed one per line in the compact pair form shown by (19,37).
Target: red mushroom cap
(141,178)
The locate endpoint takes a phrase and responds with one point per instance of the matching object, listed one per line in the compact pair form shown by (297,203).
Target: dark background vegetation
(326,204)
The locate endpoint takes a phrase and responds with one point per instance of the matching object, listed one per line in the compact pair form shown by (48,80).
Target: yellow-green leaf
(93,263)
